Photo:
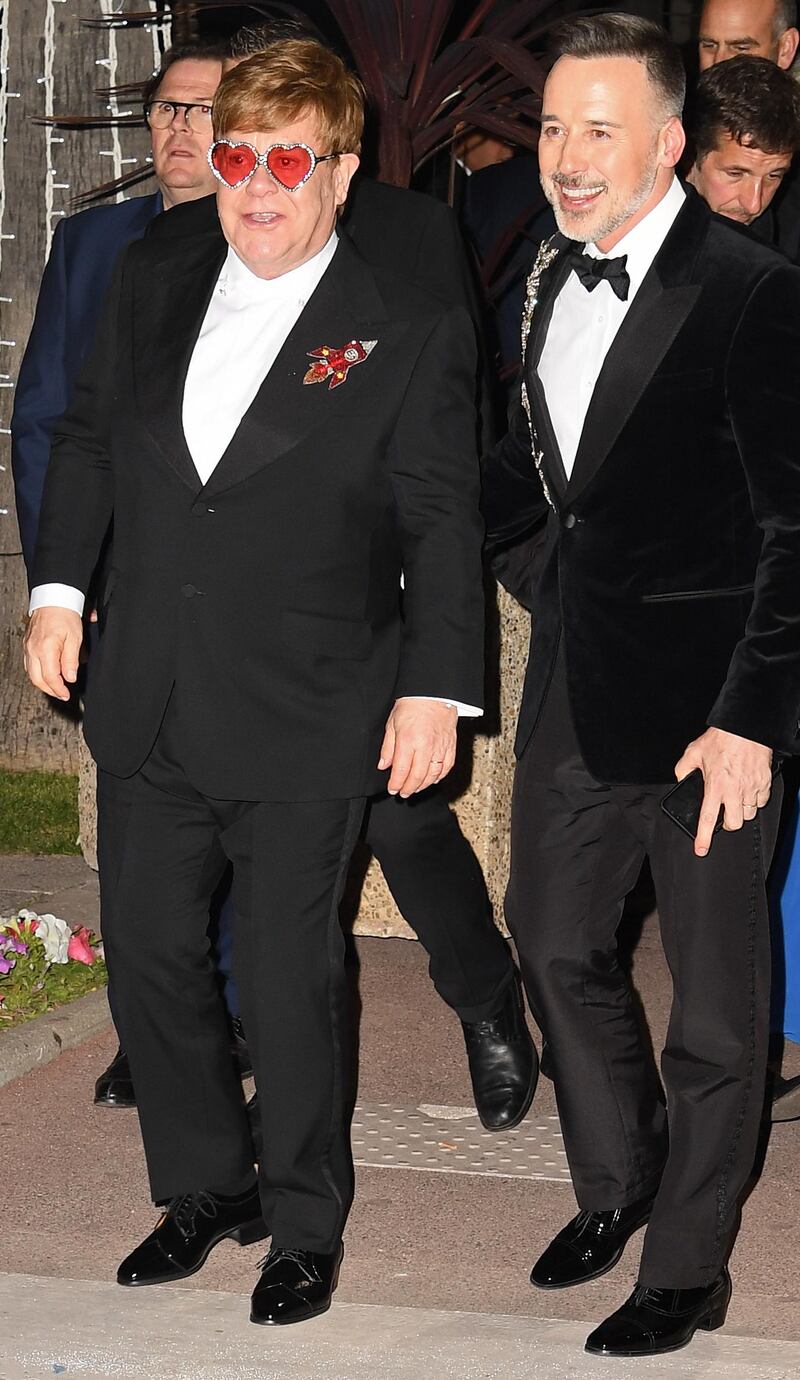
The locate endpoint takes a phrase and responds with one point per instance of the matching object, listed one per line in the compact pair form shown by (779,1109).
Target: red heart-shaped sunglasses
(290,165)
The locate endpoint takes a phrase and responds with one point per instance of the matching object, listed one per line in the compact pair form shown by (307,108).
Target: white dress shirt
(583,325)
(246,324)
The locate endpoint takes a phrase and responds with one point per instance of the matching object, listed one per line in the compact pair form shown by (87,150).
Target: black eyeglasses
(160,114)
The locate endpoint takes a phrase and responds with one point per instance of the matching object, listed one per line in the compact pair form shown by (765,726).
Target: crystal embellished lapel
(548,251)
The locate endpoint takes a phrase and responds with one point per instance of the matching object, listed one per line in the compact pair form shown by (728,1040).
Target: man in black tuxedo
(657,436)
(430,868)
(279,431)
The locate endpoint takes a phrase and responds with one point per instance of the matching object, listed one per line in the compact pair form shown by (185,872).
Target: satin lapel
(345,306)
(168,312)
(552,282)
(659,310)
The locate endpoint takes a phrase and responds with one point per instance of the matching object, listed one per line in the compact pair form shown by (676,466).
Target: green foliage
(38,812)
(33,986)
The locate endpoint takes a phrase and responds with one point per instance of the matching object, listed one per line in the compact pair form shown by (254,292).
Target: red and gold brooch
(333,364)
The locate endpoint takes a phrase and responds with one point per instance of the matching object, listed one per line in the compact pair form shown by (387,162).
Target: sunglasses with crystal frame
(289,165)
(160,114)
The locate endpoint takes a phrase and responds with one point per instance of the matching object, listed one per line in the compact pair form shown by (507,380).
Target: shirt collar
(238,281)
(642,243)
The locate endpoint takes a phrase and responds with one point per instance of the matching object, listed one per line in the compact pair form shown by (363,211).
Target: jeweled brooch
(333,364)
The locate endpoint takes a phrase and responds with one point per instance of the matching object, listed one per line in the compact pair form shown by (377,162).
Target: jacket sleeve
(78,500)
(760,698)
(42,395)
(436,492)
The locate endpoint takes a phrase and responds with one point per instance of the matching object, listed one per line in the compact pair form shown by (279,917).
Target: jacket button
(569,521)
(188,591)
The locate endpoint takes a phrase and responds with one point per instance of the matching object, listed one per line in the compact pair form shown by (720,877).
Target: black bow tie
(592,271)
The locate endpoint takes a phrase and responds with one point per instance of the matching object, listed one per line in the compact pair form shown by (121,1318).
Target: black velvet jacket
(672,560)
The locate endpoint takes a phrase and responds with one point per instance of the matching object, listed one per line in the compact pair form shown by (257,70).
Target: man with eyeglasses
(86,246)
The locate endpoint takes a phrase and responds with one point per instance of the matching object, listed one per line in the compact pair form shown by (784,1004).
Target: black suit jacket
(269,598)
(672,567)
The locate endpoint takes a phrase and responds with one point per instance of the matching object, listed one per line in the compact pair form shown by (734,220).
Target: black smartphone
(684,802)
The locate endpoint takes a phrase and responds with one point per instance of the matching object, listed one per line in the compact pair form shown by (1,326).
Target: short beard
(616,217)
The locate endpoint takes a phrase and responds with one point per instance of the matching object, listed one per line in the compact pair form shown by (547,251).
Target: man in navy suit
(85,249)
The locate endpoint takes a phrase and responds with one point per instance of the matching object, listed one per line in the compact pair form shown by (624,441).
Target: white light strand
(3,119)
(116,144)
(46,81)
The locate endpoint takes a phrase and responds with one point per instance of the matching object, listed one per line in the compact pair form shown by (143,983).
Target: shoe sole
(115,1102)
(596,1274)
(246,1235)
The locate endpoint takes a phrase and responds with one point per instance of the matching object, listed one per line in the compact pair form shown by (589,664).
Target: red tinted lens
(233,162)
(289,166)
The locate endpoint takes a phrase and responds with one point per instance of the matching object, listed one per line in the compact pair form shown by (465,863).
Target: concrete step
(81,1328)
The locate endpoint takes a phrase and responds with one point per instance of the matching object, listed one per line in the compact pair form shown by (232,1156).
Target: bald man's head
(756,28)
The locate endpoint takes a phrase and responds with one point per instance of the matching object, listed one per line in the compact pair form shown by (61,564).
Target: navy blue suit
(85,249)
(74,285)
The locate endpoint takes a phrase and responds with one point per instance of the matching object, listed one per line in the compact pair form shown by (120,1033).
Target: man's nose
(261,184)
(751,197)
(180,119)
(572,158)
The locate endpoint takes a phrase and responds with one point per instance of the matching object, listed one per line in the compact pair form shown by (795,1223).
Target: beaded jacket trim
(547,253)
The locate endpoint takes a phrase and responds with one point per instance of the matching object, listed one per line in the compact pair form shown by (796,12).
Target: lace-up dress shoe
(294,1285)
(114,1087)
(588,1246)
(503,1063)
(188,1231)
(239,1050)
(657,1320)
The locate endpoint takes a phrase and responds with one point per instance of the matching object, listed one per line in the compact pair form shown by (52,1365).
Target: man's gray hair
(626,35)
(785,16)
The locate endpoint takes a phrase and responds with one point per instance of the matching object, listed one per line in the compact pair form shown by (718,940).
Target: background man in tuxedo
(85,249)
(429,866)
(661,386)
(279,432)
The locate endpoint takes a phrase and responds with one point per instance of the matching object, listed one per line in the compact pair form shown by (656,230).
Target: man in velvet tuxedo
(279,431)
(657,438)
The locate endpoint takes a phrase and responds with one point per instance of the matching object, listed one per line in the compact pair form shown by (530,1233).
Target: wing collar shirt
(247,322)
(584,324)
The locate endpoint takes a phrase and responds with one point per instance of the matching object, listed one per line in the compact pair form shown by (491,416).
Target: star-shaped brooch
(333,364)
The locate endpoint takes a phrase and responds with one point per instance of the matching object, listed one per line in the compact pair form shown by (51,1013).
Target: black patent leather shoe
(294,1286)
(189,1230)
(114,1087)
(239,1050)
(503,1063)
(657,1320)
(588,1246)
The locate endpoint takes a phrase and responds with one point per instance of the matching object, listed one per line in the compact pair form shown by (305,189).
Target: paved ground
(435,1257)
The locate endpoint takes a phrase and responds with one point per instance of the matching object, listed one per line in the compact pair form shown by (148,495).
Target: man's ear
(671,143)
(787,47)
(346,164)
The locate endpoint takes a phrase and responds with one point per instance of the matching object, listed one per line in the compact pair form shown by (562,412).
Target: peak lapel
(346,305)
(551,284)
(657,313)
(168,312)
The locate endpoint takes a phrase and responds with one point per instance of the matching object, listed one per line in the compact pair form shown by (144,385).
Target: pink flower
(80,948)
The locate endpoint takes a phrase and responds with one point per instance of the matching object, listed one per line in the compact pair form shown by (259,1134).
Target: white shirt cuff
(465,711)
(57,596)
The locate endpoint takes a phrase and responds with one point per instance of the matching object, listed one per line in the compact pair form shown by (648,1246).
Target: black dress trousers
(289,863)
(577,848)
(438,886)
